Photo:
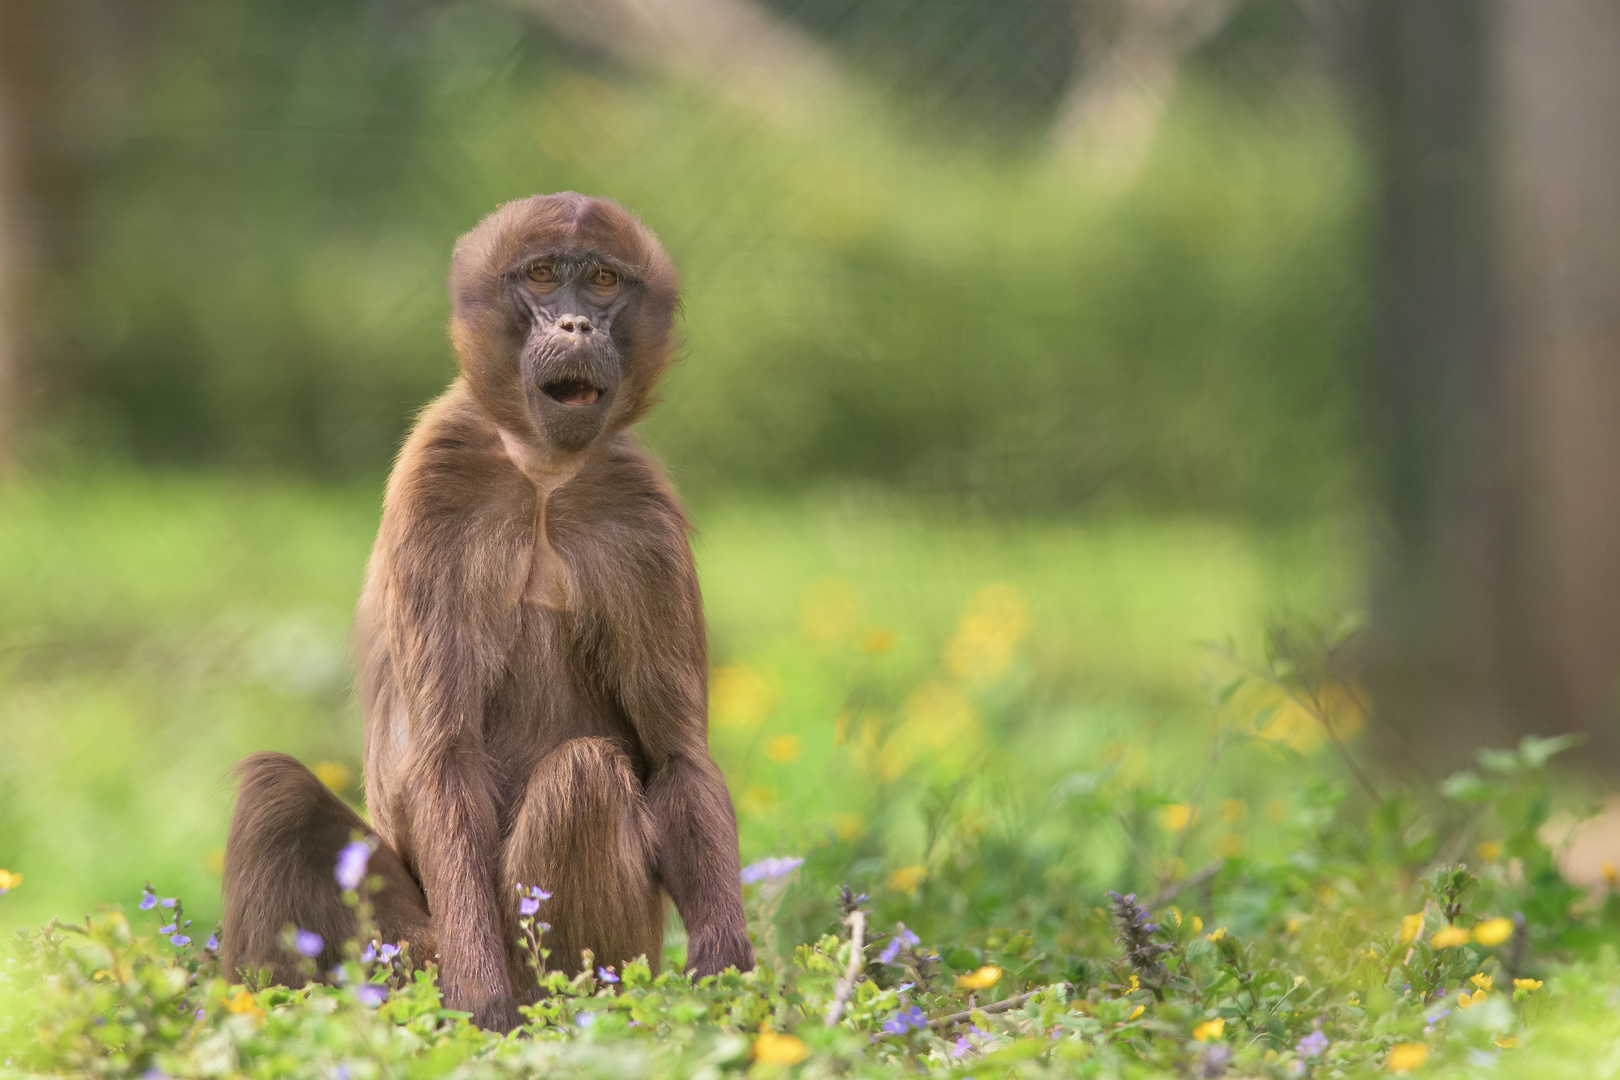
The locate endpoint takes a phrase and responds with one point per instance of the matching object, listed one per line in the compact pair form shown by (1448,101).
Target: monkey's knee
(584,835)
(280,858)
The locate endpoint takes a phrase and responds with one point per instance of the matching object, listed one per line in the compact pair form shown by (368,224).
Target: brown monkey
(531,647)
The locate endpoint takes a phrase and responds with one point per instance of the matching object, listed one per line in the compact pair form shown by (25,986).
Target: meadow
(976,728)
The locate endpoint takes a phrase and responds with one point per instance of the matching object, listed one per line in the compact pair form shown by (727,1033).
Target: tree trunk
(1496,390)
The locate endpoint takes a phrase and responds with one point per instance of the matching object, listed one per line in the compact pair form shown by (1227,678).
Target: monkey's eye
(605,278)
(543,273)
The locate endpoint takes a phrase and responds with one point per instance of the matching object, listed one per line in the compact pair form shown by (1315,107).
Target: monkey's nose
(574,324)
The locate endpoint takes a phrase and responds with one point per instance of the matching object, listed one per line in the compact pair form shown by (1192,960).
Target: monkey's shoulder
(452,466)
(623,489)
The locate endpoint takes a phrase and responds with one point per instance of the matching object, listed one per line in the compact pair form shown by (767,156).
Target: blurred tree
(65,67)
(735,48)
(1497,389)
(1130,55)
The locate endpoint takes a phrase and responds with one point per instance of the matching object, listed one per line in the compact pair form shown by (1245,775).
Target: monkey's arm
(663,682)
(447,797)
(698,861)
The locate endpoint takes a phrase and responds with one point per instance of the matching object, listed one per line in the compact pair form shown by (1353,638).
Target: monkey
(531,652)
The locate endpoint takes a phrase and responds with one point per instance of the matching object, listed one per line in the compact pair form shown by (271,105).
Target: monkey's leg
(280,858)
(583,835)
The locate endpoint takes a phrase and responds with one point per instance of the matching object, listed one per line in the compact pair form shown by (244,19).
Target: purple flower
(308,943)
(385,953)
(351,864)
(531,897)
(154,1073)
(961,1047)
(167,901)
(148,899)
(902,938)
(212,944)
(1312,1044)
(769,870)
(606,975)
(171,928)
(905,1020)
(179,939)
(371,995)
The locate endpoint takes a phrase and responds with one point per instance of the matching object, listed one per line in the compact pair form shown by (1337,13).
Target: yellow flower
(1135,1013)
(1448,937)
(242,1003)
(1229,845)
(877,642)
(1210,1030)
(1610,876)
(775,1048)
(1493,931)
(1176,817)
(1216,934)
(849,826)
(1234,809)
(784,749)
(1465,1000)
(1370,954)
(1406,1056)
(1411,925)
(907,878)
(1508,1042)
(982,979)
(1482,980)
(1198,925)
(1136,982)
(1527,985)
(1293,924)
(334,774)
(1490,851)
(9,881)
(741,697)
(993,623)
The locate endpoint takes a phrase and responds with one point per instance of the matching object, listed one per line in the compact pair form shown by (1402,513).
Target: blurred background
(1092,411)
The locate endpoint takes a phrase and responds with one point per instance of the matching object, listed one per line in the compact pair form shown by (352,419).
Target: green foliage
(864,301)
(1328,976)
(984,726)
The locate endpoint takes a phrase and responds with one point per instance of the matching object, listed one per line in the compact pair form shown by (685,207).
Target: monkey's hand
(711,950)
(498,1012)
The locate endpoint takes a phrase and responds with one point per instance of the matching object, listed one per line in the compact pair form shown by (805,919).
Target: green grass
(983,724)
(153,630)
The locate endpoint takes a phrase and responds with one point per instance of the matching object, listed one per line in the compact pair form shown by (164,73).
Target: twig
(1176,888)
(997,1007)
(857,961)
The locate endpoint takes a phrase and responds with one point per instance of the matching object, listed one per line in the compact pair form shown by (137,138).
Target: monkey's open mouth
(575,392)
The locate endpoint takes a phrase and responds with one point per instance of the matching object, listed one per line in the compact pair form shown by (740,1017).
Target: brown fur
(533,664)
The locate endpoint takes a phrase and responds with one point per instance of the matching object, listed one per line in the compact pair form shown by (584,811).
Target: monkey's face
(571,367)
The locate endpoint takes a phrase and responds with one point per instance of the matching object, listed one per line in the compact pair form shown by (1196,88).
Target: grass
(981,725)
(155,629)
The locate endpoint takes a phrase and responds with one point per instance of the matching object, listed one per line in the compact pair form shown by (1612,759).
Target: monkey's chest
(549,693)
(545,575)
